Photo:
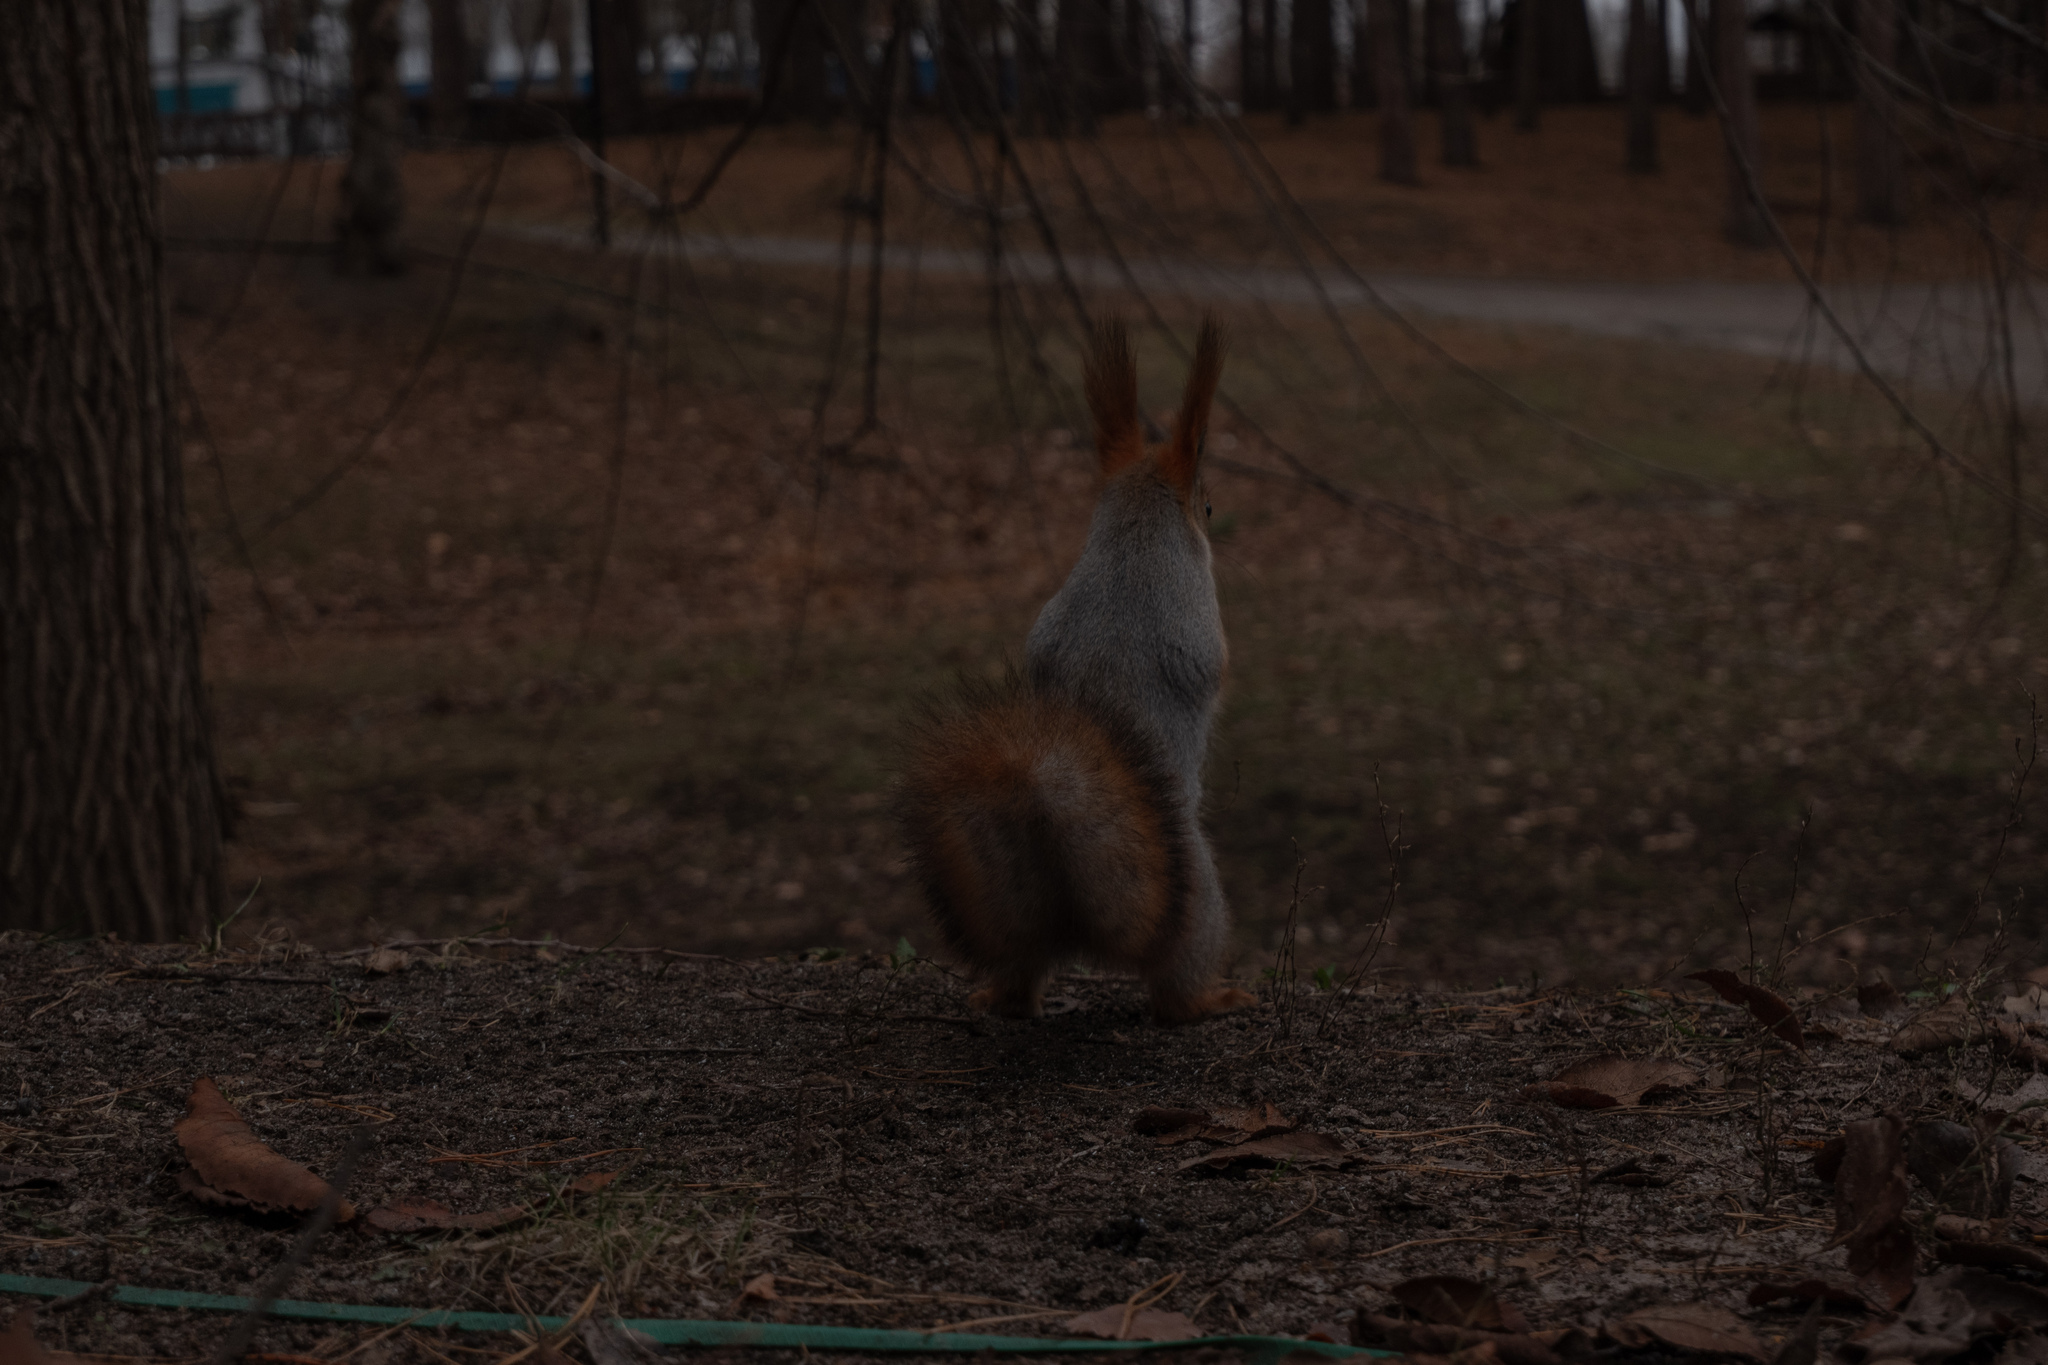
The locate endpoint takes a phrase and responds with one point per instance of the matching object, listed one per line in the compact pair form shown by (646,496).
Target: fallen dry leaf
(1228,1126)
(1991,1255)
(1967,1173)
(1956,1228)
(1631,1174)
(1767,1007)
(2023,1106)
(1610,1081)
(1690,1327)
(1803,1346)
(1153,1120)
(1870,1196)
(2013,1040)
(1455,1301)
(1426,1341)
(431,1215)
(1804,1291)
(1121,1323)
(1301,1150)
(18,1344)
(384,961)
(761,1287)
(1881,1000)
(1946,1025)
(614,1344)
(592,1183)
(1947,1312)
(233,1167)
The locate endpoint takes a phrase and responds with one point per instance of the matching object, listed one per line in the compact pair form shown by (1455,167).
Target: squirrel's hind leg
(1014,992)
(1183,985)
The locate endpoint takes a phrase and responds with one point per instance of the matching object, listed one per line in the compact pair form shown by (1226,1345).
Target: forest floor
(674,1136)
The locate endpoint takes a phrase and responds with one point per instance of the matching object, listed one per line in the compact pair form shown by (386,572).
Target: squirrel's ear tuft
(1112,382)
(1183,454)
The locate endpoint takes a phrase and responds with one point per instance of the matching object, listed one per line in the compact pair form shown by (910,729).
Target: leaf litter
(847,1164)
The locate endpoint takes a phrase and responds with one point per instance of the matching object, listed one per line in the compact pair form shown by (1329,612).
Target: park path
(1940,336)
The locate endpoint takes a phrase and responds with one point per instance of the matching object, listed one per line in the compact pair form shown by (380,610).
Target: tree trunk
(1453,68)
(1569,67)
(1528,26)
(1249,95)
(1089,61)
(1698,101)
(450,42)
(1311,60)
(1660,51)
(372,193)
(1364,94)
(1137,58)
(618,30)
(1639,82)
(1744,222)
(1390,75)
(1269,52)
(110,815)
(1880,163)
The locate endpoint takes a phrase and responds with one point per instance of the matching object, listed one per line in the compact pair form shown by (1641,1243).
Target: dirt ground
(555,594)
(848,1128)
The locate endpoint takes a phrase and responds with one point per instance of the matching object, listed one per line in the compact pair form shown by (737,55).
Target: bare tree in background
(1697,101)
(1880,160)
(1311,60)
(1258,27)
(1390,79)
(618,30)
(1451,67)
(1639,84)
(372,192)
(561,21)
(1743,223)
(1526,31)
(448,112)
(110,815)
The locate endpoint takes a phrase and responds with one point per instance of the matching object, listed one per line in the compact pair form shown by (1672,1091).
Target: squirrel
(1056,815)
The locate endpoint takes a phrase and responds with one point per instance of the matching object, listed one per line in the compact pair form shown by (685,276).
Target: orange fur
(1181,458)
(1042,835)
(1111,379)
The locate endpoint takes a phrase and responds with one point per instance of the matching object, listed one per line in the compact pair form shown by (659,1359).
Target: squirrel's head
(1176,465)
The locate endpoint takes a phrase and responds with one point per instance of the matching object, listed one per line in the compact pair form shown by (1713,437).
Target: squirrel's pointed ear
(1112,382)
(1180,460)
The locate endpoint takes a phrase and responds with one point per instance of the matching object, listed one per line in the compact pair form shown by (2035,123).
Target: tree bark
(618,30)
(1570,68)
(1744,223)
(1880,162)
(1452,68)
(1311,60)
(1698,101)
(110,814)
(561,36)
(1364,95)
(372,192)
(449,36)
(1639,82)
(1269,52)
(1249,94)
(1528,31)
(1390,76)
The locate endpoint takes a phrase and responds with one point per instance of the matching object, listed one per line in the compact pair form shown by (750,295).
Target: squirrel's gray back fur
(1136,625)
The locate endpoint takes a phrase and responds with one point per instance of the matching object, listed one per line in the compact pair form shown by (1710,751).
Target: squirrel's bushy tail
(1043,828)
